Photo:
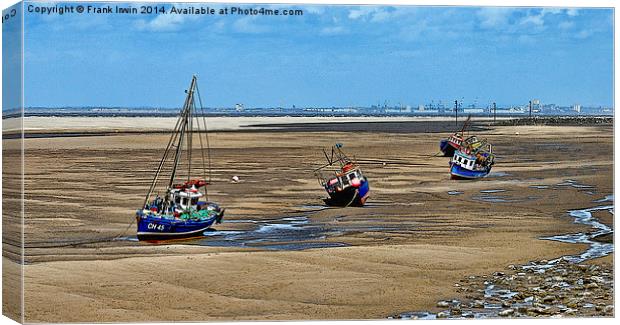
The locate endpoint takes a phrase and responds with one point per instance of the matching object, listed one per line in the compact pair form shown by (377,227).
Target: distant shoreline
(50,127)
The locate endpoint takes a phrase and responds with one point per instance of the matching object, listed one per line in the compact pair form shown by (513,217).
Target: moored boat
(473,160)
(347,186)
(184,210)
(453,142)
(448,146)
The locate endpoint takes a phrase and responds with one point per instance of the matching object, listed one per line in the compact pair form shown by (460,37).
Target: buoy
(235,179)
(516,133)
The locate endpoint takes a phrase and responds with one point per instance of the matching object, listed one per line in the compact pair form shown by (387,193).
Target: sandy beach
(280,254)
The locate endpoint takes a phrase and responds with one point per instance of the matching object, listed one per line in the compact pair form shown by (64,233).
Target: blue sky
(330,56)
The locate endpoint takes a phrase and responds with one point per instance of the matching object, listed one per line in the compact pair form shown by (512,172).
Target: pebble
(442,314)
(573,303)
(443,304)
(477,304)
(591,285)
(506,312)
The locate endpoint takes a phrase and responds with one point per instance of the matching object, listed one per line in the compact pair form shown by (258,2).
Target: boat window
(184,201)
(177,200)
(352,176)
(345,181)
(195,201)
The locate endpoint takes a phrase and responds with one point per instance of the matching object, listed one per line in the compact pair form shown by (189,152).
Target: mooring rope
(357,192)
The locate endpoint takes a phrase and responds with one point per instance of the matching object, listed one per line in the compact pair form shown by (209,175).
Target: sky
(329,56)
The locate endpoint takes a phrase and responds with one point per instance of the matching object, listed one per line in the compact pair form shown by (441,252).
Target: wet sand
(403,252)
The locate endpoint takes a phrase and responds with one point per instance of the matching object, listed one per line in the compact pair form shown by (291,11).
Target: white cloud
(572,12)
(552,11)
(249,25)
(315,10)
(162,23)
(566,25)
(535,20)
(585,33)
(169,22)
(493,17)
(378,14)
(361,12)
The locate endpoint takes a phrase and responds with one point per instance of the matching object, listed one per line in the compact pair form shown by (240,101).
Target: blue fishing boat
(473,160)
(347,186)
(183,210)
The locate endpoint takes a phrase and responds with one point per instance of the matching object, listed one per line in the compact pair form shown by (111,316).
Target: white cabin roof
(191,193)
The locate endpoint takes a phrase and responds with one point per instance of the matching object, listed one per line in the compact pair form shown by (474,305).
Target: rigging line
(202,150)
(125,231)
(202,154)
(178,152)
(163,160)
(190,137)
(176,141)
(204,120)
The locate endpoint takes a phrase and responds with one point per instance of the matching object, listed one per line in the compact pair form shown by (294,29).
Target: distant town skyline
(329,56)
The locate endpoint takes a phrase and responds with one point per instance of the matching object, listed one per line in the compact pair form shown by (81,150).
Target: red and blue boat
(453,142)
(347,186)
(183,210)
(448,146)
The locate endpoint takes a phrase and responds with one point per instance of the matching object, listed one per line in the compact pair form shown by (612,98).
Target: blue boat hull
(154,228)
(446,148)
(458,172)
(351,196)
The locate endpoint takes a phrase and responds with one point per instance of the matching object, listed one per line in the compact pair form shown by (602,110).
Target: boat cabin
(456,140)
(465,161)
(185,199)
(343,180)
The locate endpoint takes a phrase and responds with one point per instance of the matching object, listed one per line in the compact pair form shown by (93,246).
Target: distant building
(331,109)
(577,108)
(473,110)
(536,106)
(239,107)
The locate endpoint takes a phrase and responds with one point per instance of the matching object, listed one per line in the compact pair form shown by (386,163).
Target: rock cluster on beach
(539,289)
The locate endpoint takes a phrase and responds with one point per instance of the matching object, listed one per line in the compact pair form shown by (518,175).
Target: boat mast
(171,143)
(187,107)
